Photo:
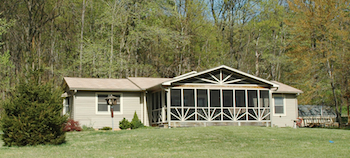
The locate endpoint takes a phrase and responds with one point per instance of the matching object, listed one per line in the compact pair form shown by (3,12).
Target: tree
(320,35)
(135,122)
(6,65)
(33,115)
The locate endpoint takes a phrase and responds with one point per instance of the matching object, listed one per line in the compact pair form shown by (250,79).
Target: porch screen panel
(175,97)
(156,105)
(188,97)
(102,104)
(166,98)
(202,98)
(227,98)
(215,98)
(240,98)
(160,100)
(264,99)
(152,101)
(252,98)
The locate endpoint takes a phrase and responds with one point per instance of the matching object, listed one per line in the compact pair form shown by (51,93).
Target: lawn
(195,142)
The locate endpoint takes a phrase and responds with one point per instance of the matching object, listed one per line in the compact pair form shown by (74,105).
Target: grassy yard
(195,142)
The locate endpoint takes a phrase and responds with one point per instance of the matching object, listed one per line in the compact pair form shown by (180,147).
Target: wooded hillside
(301,43)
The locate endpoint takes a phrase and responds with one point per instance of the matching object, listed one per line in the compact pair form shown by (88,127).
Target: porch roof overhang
(194,74)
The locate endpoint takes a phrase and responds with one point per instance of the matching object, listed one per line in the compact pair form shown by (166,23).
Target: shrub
(106,128)
(124,124)
(72,125)
(135,122)
(33,114)
(87,128)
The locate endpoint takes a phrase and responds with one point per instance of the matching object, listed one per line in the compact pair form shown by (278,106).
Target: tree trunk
(81,39)
(337,109)
(257,55)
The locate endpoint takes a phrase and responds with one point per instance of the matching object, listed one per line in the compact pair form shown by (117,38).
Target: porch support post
(163,105)
(169,105)
(270,106)
(145,109)
(64,106)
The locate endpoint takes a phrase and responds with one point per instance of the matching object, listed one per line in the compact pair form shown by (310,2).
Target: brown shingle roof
(100,84)
(146,82)
(283,88)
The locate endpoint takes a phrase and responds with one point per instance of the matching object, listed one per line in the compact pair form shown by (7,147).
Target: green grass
(195,142)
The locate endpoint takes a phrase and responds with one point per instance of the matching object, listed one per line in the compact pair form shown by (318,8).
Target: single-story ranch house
(217,96)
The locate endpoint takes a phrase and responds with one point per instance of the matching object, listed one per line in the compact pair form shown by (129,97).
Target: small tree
(124,124)
(33,115)
(135,122)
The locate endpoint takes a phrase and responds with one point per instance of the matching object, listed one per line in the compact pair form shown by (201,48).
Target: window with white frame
(279,108)
(102,106)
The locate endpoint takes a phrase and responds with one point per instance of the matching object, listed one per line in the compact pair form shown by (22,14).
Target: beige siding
(291,113)
(85,109)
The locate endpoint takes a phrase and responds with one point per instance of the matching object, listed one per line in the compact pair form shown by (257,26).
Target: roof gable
(221,75)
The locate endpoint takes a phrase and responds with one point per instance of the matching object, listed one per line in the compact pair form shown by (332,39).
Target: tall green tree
(6,65)
(320,33)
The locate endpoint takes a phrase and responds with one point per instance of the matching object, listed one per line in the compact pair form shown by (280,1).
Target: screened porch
(209,105)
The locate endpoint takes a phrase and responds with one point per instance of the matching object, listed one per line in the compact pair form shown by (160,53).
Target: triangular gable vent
(221,75)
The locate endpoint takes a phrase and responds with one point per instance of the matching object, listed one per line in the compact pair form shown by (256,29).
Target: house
(217,96)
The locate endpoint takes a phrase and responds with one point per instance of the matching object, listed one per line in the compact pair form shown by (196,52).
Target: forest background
(303,43)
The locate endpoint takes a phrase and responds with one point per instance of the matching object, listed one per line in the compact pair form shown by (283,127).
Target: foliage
(124,124)
(72,125)
(32,115)
(87,128)
(304,44)
(135,122)
(319,44)
(106,128)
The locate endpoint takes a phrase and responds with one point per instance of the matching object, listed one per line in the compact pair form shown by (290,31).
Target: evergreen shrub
(135,122)
(106,128)
(124,124)
(72,125)
(33,114)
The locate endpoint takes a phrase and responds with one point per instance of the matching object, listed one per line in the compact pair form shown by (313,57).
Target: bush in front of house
(106,128)
(72,125)
(33,114)
(124,124)
(135,122)
(87,128)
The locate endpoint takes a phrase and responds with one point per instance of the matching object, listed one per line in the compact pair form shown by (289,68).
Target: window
(103,108)
(279,108)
